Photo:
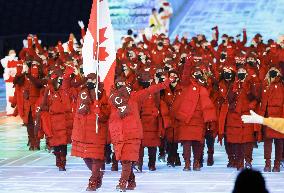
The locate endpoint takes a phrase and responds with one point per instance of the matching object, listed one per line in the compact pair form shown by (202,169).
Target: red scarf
(119,98)
(84,102)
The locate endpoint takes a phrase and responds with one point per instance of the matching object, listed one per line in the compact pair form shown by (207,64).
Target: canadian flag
(99,49)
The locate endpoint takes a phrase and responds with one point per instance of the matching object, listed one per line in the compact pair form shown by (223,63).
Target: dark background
(51,20)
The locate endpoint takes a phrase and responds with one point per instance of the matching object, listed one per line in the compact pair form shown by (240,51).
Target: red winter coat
(127,133)
(235,130)
(169,98)
(150,121)
(86,143)
(57,119)
(193,109)
(26,95)
(272,101)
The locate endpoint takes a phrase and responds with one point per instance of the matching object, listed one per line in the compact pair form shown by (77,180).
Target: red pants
(33,140)
(127,170)
(94,166)
(196,147)
(278,149)
(240,151)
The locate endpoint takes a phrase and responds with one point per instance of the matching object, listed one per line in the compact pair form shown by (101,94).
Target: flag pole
(97,60)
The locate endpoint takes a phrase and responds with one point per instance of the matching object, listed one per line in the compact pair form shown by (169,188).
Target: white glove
(81,24)
(252,118)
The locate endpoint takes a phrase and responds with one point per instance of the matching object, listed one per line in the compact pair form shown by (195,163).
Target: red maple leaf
(102,35)
(103,54)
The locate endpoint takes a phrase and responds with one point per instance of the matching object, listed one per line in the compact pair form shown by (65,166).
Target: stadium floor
(23,171)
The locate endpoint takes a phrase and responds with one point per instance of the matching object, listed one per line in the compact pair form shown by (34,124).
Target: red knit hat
(128,39)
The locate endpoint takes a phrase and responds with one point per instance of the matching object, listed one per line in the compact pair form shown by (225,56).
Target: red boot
(131,182)
(267,167)
(276,167)
(122,185)
(231,162)
(62,162)
(240,165)
(57,158)
(187,166)
(210,159)
(93,184)
(196,165)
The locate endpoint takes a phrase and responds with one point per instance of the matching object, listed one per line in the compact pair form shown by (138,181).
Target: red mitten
(220,138)
(68,71)
(30,41)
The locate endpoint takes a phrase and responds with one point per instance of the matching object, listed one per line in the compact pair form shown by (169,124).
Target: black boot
(114,166)
(177,160)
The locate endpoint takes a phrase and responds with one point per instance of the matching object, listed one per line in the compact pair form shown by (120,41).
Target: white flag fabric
(99,38)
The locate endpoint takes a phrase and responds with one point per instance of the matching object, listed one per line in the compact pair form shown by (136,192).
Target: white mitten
(81,24)
(252,118)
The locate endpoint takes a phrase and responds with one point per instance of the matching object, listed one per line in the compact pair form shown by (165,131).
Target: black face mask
(144,84)
(158,75)
(129,54)
(72,75)
(118,86)
(161,79)
(241,76)
(123,69)
(182,60)
(252,63)
(29,63)
(81,71)
(60,81)
(50,55)
(273,73)
(223,56)
(228,75)
(238,64)
(198,76)
(166,68)
(91,85)
(223,41)
(160,44)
